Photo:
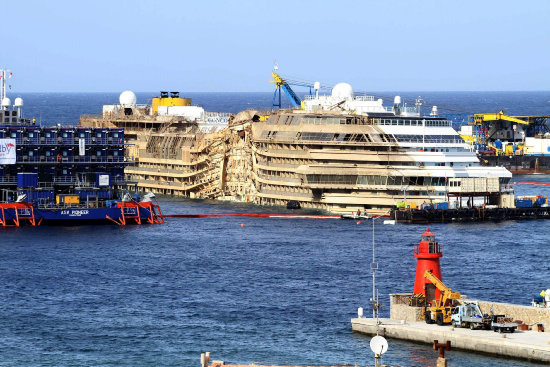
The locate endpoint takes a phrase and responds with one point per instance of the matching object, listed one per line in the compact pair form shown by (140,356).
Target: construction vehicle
(469,315)
(441,309)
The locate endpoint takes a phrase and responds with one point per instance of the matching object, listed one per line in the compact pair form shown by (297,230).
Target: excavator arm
(446,292)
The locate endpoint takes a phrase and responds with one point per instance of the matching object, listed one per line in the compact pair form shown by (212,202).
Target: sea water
(278,290)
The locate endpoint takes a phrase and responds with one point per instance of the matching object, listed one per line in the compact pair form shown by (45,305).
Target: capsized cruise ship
(337,152)
(343,153)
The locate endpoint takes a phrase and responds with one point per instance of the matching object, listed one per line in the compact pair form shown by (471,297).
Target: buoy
(358,222)
(242,224)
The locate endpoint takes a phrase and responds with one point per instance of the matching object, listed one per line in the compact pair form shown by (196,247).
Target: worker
(358,212)
(59,157)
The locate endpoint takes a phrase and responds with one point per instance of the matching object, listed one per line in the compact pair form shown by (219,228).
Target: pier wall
(400,310)
(528,314)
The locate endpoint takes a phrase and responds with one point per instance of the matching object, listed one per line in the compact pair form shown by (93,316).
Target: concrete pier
(528,345)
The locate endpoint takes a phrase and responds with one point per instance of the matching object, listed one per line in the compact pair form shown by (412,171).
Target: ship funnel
(397,105)
(434,111)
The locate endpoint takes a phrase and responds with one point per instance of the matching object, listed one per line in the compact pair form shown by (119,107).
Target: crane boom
(481,117)
(283,84)
(446,292)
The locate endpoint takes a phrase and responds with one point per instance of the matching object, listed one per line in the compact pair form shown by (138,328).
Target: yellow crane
(440,312)
(480,118)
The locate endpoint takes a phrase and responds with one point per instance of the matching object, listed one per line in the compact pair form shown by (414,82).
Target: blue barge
(65,174)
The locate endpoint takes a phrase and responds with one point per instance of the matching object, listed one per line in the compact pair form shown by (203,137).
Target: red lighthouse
(427,253)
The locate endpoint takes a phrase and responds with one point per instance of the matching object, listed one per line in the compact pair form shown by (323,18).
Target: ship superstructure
(178,148)
(344,153)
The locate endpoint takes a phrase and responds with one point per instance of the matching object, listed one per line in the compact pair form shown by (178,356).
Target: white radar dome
(6,102)
(342,91)
(127,98)
(18,102)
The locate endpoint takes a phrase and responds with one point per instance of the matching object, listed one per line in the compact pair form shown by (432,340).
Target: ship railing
(75,159)
(64,179)
(277,165)
(364,98)
(286,193)
(165,183)
(82,205)
(163,170)
(438,139)
(279,178)
(8,179)
(406,110)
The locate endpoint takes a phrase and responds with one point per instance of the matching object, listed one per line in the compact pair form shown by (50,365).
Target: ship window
(31,135)
(65,153)
(395,180)
(65,135)
(48,153)
(115,153)
(48,135)
(98,153)
(115,135)
(82,135)
(13,135)
(98,135)
(64,171)
(31,153)
(7,119)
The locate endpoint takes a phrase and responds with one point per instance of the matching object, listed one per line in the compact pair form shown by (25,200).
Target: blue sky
(230,46)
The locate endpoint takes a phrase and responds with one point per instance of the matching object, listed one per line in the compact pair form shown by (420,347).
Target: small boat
(355,216)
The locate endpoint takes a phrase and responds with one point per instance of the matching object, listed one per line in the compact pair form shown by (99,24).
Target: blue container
(524,203)
(37,195)
(442,206)
(25,180)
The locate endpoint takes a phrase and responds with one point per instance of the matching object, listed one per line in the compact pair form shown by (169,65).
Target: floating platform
(468,214)
(527,345)
(18,214)
(519,164)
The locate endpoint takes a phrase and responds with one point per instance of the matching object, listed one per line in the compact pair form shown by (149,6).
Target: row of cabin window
(376,180)
(415,138)
(407,122)
(312,136)
(48,153)
(48,134)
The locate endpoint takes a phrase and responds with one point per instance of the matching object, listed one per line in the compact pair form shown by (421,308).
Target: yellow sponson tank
(169,99)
